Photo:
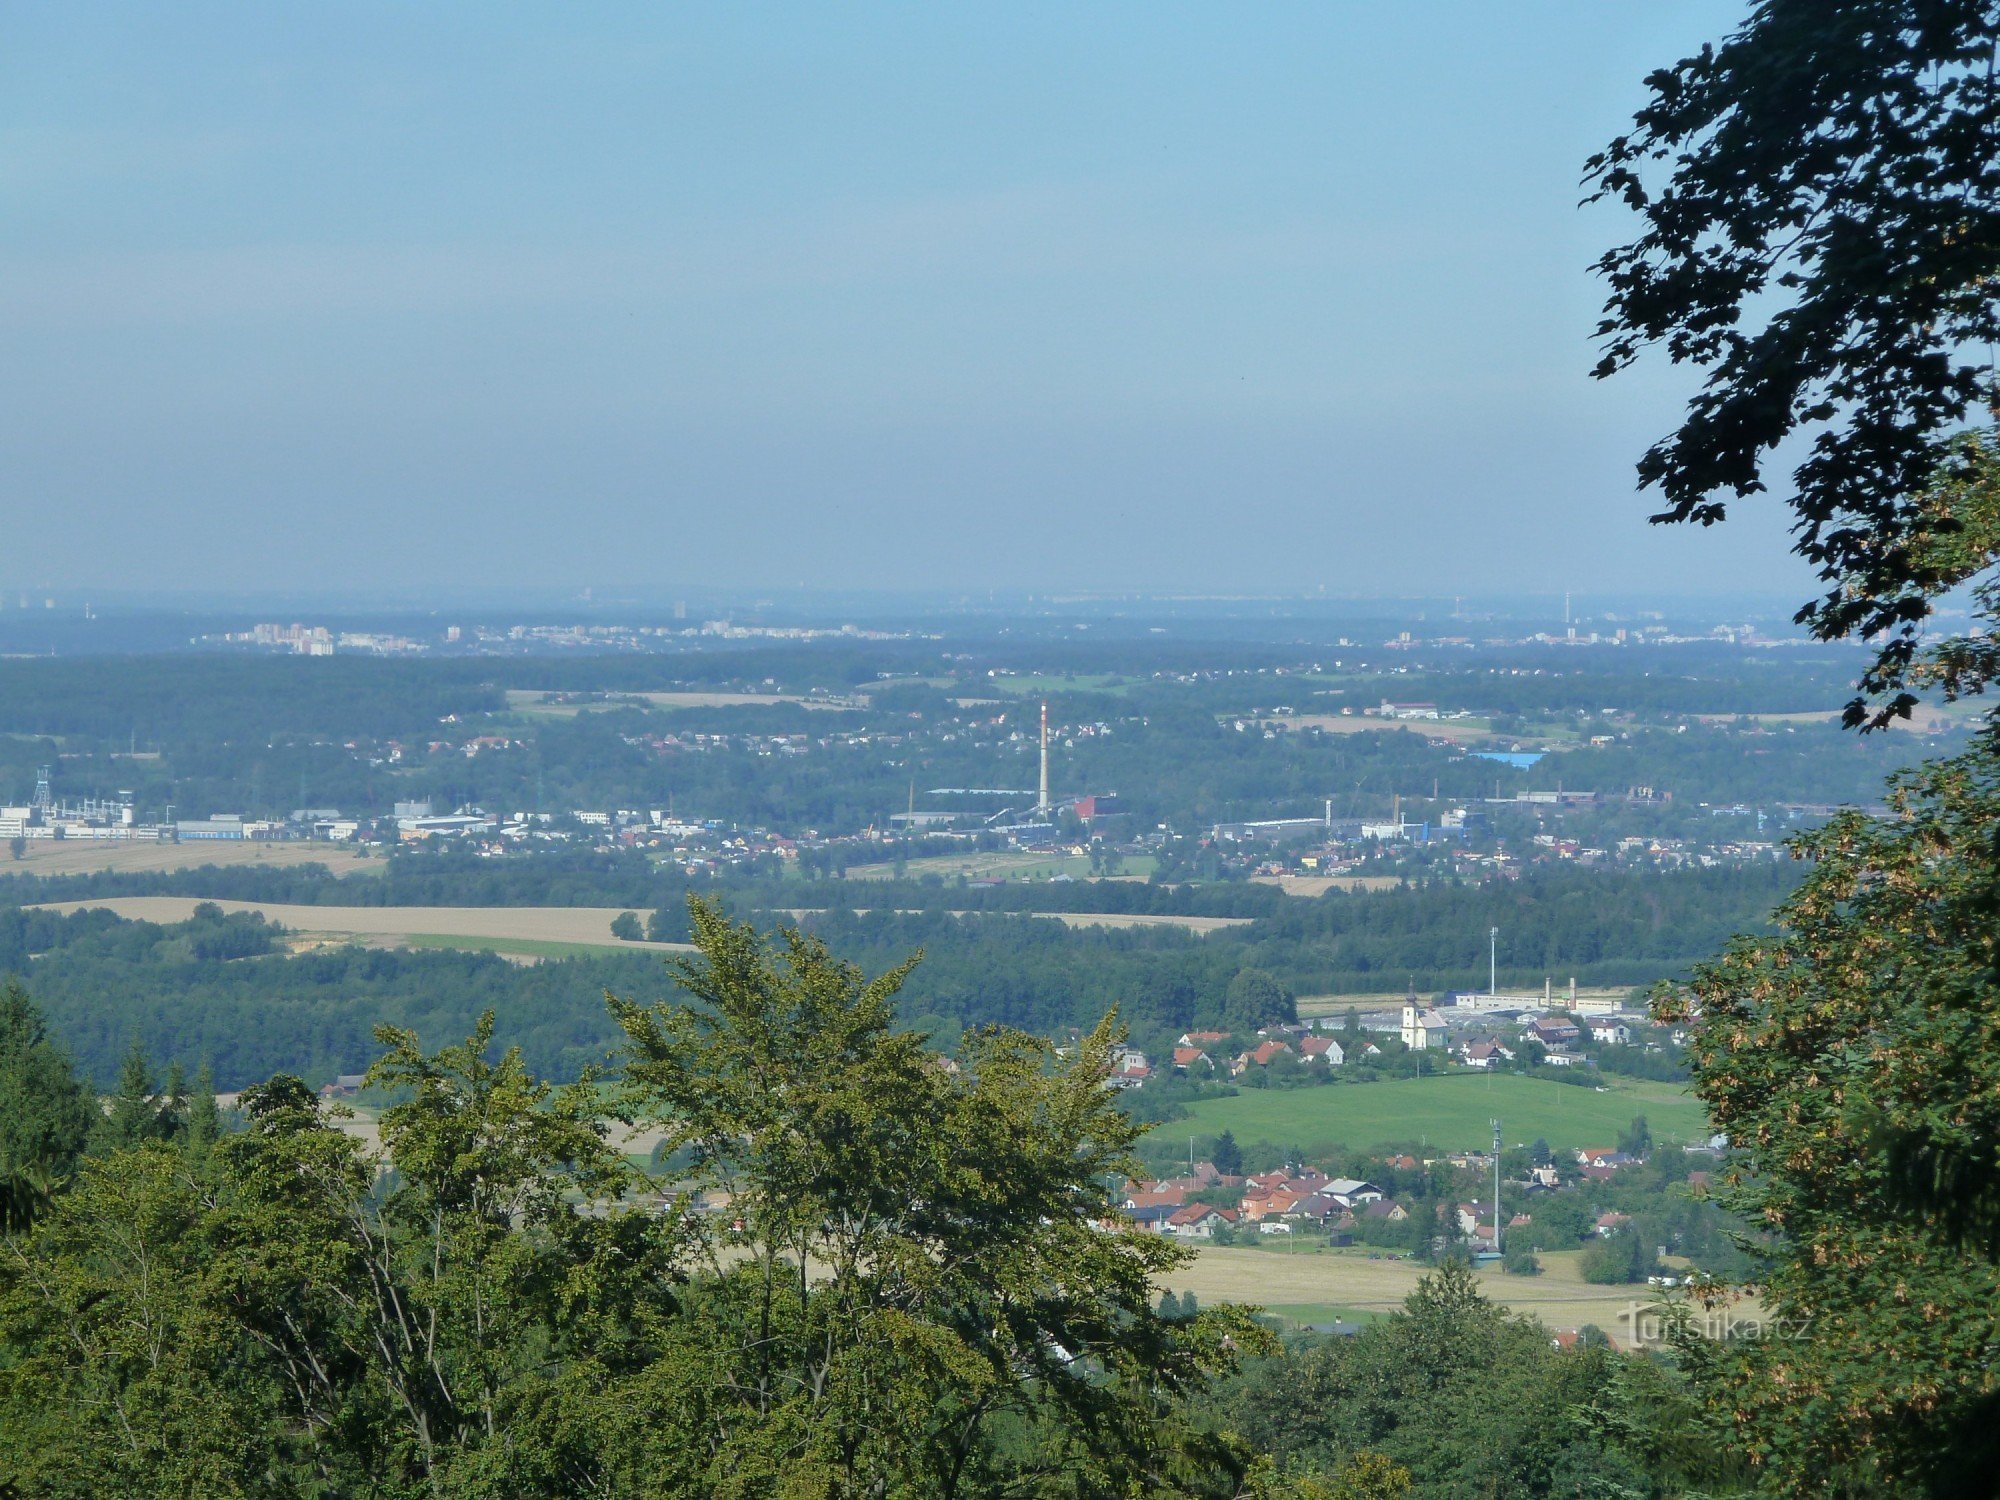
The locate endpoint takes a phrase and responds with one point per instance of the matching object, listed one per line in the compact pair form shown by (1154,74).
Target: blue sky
(1163,297)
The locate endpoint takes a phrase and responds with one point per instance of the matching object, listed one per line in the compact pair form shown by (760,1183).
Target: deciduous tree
(1819,205)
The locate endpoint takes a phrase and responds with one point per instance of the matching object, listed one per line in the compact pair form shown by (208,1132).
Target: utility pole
(1496,1187)
(1493,963)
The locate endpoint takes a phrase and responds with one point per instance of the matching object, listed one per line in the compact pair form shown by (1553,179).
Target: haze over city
(767,297)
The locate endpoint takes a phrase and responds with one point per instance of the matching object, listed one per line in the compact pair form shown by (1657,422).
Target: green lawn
(1452,1111)
(1302,1314)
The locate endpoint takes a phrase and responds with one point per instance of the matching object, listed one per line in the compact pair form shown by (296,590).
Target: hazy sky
(1153,296)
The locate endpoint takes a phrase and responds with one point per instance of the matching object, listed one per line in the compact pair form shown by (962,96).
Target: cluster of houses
(1205,1055)
(1220,1055)
(1276,1202)
(1198,1204)
(1557,1034)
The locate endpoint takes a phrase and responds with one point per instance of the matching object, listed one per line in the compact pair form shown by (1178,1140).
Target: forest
(227,991)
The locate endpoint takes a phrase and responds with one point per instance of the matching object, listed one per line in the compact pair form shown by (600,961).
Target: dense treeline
(1467,1400)
(219,990)
(253,1011)
(1602,926)
(593,877)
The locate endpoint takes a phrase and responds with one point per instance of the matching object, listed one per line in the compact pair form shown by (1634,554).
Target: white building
(1423,1029)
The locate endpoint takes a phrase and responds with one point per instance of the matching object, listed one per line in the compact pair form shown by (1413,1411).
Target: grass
(1304,1313)
(1453,1112)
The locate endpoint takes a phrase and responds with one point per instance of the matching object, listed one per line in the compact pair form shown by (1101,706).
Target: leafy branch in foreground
(1853,1058)
(915,1269)
(1825,242)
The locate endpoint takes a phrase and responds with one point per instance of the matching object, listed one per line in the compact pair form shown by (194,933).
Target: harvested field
(1135,919)
(590,925)
(1308,1277)
(1309,886)
(529,700)
(1082,918)
(89,856)
(1460,730)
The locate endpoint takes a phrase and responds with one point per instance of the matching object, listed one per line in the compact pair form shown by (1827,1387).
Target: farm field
(90,856)
(1459,730)
(1089,918)
(1308,1284)
(1309,886)
(436,926)
(522,950)
(1453,1112)
(1002,865)
(529,701)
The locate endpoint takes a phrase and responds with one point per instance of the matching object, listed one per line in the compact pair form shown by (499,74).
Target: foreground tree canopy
(1819,199)
(1855,1058)
(881,1274)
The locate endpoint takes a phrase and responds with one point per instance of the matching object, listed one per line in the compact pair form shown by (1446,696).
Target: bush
(1618,1258)
(1522,1261)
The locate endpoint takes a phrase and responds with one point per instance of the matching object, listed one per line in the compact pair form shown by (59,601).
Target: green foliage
(1822,244)
(1617,1258)
(625,927)
(1521,1260)
(45,1113)
(1227,1155)
(1852,1059)
(204,1119)
(968,1288)
(1636,1140)
(140,1110)
(1466,1399)
(1559,1223)
(1255,1000)
(875,1276)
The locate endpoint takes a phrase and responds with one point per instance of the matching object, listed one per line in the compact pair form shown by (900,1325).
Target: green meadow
(1451,1111)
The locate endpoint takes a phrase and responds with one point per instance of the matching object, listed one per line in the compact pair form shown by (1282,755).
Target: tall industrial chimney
(1042,803)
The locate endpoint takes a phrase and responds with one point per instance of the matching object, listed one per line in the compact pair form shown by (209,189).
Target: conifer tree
(204,1119)
(45,1112)
(135,1113)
